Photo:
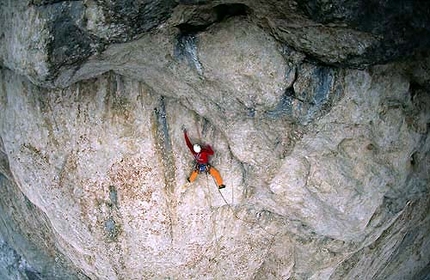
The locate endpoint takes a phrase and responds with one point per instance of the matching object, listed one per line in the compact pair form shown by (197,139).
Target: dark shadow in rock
(225,11)
(284,107)
(402,25)
(113,196)
(315,99)
(186,49)
(113,229)
(186,40)
(32,275)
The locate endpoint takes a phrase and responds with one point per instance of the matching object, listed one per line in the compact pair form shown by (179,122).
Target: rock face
(325,158)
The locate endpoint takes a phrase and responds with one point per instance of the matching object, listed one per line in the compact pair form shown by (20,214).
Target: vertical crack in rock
(113,196)
(314,91)
(116,99)
(186,40)
(165,151)
(323,91)
(111,225)
(113,230)
(4,163)
(186,48)
(284,106)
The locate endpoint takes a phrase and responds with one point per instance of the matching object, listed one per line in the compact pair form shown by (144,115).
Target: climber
(201,156)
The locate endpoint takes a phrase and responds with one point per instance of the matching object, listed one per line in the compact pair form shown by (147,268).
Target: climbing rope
(225,200)
(210,211)
(209,195)
(269,247)
(241,219)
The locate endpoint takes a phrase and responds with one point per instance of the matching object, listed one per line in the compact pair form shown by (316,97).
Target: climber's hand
(184,129)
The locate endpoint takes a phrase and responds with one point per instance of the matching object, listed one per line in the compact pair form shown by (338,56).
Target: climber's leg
(193,176)
(214,173)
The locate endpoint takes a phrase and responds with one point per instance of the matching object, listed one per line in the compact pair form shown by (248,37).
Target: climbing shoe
(221,187)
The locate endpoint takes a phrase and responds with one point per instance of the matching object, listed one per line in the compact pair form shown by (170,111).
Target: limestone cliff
(318,112)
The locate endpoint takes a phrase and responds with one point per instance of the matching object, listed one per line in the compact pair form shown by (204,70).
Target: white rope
(243,220)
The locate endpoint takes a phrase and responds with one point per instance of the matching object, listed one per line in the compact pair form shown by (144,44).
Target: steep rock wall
(326,168)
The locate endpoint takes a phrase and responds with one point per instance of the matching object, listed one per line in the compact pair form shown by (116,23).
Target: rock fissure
(164,148)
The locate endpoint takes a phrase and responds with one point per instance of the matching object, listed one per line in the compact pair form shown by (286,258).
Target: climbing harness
(205,168)
(202,167)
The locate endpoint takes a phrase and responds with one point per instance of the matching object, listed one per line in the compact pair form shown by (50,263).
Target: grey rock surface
(45,40)
(326,165)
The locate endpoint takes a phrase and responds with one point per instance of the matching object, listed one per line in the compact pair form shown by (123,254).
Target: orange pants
(212,170)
